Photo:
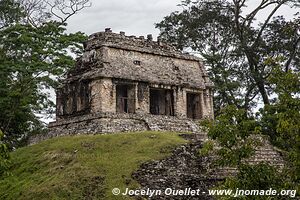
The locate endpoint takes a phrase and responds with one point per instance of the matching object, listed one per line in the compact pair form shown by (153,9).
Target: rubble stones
(185,168)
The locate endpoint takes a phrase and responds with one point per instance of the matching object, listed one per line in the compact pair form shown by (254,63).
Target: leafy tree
(249,60)
(4,156)
(10,12)
(235,45)
(233,131)
(34,53)
(31,59)
(235,135)
(281,120)
(255,177)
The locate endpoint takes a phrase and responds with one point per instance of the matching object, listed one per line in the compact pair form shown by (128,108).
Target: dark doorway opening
(161,102)
(193,106)
(125,99)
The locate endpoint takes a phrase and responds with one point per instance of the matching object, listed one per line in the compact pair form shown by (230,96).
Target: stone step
(161,124)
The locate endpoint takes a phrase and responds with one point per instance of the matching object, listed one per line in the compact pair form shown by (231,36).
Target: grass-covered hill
(83,167)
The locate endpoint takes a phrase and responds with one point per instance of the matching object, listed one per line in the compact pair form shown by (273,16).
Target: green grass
(83,167)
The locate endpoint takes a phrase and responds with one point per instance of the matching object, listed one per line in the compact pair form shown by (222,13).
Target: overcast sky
(135,17)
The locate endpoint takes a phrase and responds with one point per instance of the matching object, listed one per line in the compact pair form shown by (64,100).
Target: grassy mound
(83,167)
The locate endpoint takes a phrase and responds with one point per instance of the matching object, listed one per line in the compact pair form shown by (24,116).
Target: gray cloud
(135,17)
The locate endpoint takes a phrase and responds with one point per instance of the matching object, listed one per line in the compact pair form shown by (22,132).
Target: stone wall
(102,123)
(103,97)
(73,99)
(116,69)
(120,63)
(115,55)
(133,43)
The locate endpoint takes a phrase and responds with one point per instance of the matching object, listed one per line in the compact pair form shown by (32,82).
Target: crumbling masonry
(128,83)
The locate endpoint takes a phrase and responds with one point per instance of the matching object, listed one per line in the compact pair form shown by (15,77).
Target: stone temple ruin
(128,83)
(124,83)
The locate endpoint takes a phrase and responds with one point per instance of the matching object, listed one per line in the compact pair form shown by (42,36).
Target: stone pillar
(103,96)
(136,98)
(108,95)
(208,102)
(180,102)
(142,98)
(95,87)
(202,104)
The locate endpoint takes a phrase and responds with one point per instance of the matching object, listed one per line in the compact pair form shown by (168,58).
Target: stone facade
(128,83)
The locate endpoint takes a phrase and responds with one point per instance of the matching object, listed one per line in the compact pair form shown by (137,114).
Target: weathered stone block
(118,74)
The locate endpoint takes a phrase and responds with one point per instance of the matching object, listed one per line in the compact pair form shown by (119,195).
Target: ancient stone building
(128,83)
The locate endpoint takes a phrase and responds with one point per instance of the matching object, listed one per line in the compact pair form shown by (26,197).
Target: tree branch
(67,8)
(292,56)
(267,21)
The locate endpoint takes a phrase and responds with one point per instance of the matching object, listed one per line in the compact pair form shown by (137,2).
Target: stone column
(107,98)
(180,102)
(142,98)
(202,104)
(136,97)
(95,87)
(208,103)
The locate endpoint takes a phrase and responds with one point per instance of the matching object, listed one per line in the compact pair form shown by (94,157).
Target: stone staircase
(265,152)
(186,168)
(168,123)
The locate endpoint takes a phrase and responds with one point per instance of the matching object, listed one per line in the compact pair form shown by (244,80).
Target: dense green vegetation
(233,130)
(252,60)
(4,157)
(83,167)
(35,51)
(280,121)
